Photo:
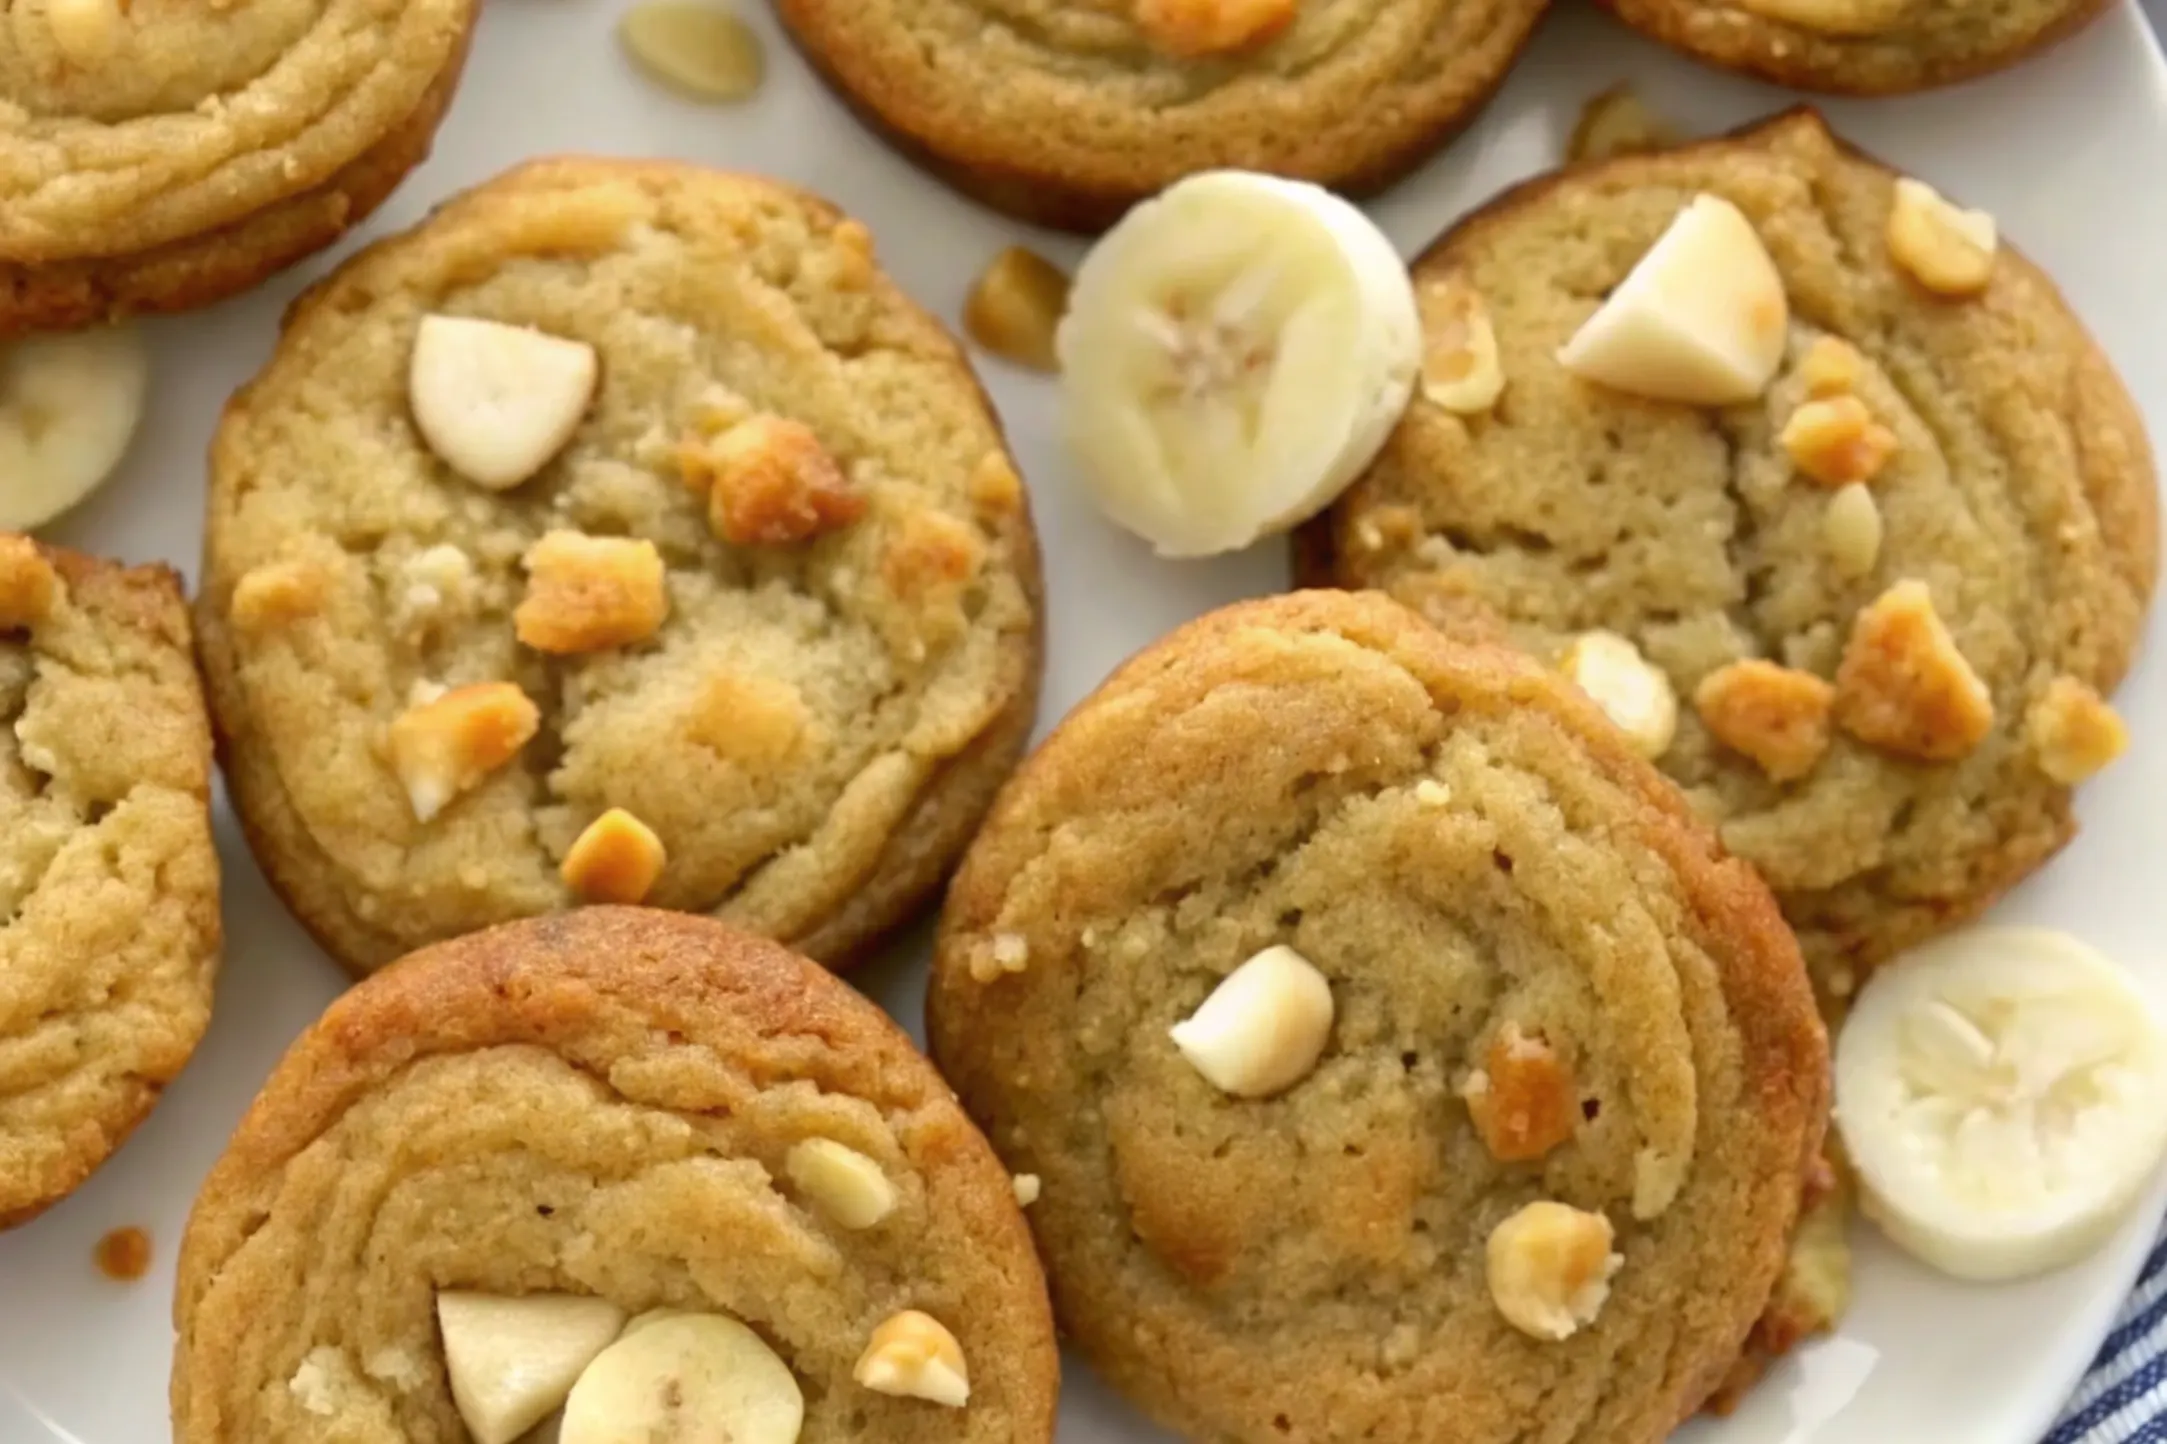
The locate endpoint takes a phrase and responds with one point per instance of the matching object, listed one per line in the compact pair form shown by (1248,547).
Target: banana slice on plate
(675,1375)
(69,405)
(2003,1096)
(1235,352)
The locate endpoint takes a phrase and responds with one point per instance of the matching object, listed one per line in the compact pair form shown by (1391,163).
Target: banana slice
(69,405)
(2003,1096)
(1235,352)
(685,1376)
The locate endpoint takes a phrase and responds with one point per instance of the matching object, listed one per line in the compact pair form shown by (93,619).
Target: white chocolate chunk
(843,1183)
(513,1360)
(1263,1028)
(497,402)
(914,1356)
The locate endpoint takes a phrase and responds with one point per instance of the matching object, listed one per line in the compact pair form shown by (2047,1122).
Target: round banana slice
(69,405)
(2003,1096)
(1235,352)
(689,1376)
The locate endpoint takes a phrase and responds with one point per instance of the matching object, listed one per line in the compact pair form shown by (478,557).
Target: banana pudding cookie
(1068,111)
(1858,47)
(159,155)
(108,877)
(1401,1059)
(1832,503)
(621,534)
(635,1166)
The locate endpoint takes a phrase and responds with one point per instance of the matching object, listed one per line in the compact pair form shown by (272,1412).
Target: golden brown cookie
(759,635)
(1536,1171)
(108,878)
(1888,596)
(1858,47)
(1067,113)
(160,156)
(610,1104)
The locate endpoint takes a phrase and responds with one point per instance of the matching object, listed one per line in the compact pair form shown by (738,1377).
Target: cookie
(621,534)
(1401,1059)
(1857,47)
(108,878)
(1066,114)
(161,158)
(614,1105)
(1937,491)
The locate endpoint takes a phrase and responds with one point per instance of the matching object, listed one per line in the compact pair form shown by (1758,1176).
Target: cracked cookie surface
(2020,493)
(1068,112)
(108,878)
(810,718)
(1507,904)
(159,155)
(603,1104)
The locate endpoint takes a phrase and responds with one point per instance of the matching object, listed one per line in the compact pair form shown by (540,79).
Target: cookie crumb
(1618,122)
(124,1255)
(1015,307)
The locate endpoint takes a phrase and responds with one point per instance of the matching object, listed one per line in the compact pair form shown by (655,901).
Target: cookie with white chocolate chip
(625,1167)
(108,877)
(1401,1058)
(1067,114)
(538,575)
(1889,557)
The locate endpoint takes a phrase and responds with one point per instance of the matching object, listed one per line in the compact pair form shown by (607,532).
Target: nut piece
(1948,250)
(700,51)
(28,584)
(1263,1028)
(1836,441)
(586,593)
(846,1185)
(2072,731)
(618,859)
(1778,716)
(1190,29)
(1523,1099)
(913,1356)
(770,483)
(446,747)
(1460,367)
(1015,307)
(1831,366)
(1617,122)
(1550,1267)
(1636,695)
(1851,531)
(1701,319)
(1903,685)
(497,402)
(276,594)
(513,1360)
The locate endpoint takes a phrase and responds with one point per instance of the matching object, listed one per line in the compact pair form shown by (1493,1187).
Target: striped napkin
(2123,1400)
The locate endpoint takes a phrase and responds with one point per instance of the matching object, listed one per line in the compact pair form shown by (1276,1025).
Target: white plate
(2060,151)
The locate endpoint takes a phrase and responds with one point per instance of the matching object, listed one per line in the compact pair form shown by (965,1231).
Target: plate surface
(2054,150)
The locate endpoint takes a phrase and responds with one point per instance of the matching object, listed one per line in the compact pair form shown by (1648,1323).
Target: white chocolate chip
(1946,249)
(843,1183)
(514,1360)
(1851,531)
(1550,1268)
(1461,368)
(1027,1189)
(1702,318)
(913,1356)
(1263,1028)
(1633,693)
(497,402)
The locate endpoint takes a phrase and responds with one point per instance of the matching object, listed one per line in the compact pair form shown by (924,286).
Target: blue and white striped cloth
(2123,1400)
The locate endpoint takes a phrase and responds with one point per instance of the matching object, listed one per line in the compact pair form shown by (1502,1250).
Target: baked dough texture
(1859,47)
(2021,491)
(109,928)
(597,1103)
(817,725)
(1067,112)
(176,153)
(1470,854)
